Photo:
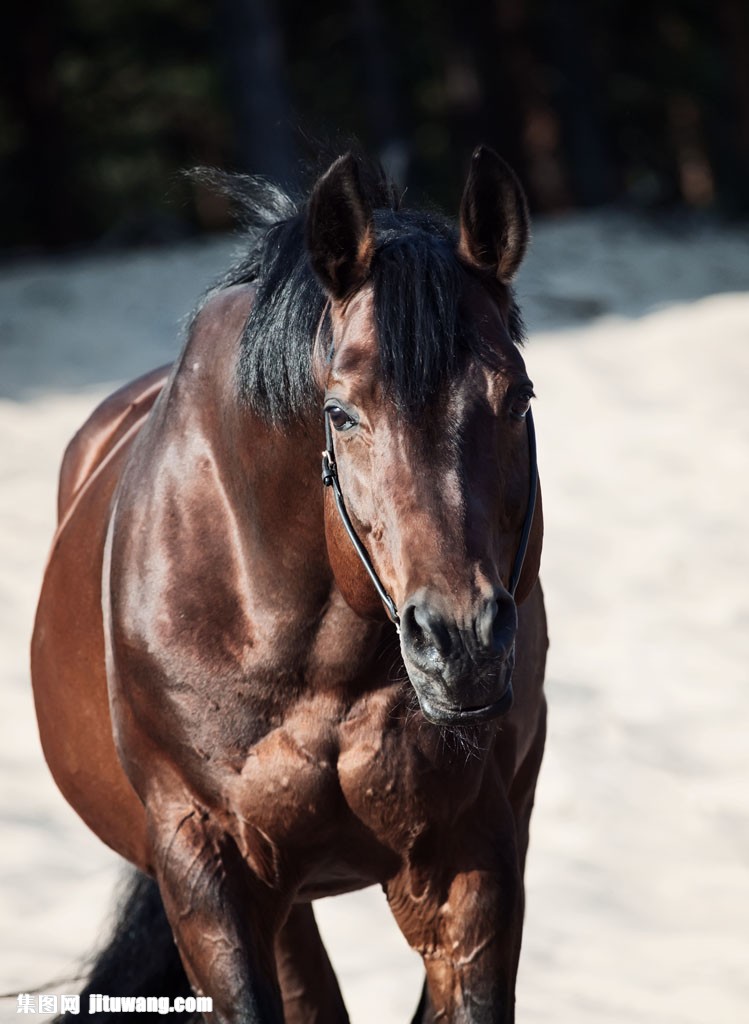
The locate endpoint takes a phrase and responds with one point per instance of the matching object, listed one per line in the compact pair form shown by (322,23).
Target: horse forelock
(424,323)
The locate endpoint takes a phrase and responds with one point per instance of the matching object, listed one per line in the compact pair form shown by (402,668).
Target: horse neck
(270,475)
(277,479)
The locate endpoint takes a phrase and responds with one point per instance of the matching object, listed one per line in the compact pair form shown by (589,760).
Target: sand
(638,876)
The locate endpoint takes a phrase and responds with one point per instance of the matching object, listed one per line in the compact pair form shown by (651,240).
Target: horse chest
(399,778)
(286,784)
(342,800)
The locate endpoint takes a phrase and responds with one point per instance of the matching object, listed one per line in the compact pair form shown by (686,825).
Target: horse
(261,687)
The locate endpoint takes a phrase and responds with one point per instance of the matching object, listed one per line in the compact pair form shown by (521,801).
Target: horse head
(427,399)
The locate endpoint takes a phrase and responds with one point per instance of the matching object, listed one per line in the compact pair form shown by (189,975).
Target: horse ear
(494,227)
(340,229)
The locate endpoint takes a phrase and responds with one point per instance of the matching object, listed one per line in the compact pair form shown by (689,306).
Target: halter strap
(530,510)
(330,479)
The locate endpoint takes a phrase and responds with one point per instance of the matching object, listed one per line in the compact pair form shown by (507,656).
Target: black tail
(140,959)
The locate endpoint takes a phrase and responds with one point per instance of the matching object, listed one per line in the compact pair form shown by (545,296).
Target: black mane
(418,284)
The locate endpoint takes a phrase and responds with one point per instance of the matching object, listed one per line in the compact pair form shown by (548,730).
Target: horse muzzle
(462,674)
(440,713)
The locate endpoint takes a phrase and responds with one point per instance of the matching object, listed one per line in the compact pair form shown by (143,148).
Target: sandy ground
(638,878)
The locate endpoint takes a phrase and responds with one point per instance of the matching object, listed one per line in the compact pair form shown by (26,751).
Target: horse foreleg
(523,789)
(423,1010)
(460,905)
(308,983)
(222,916)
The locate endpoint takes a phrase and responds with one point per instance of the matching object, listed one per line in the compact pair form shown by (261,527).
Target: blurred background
(628,123)
(591,101)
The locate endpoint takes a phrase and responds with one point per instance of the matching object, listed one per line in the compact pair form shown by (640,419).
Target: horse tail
(139,959)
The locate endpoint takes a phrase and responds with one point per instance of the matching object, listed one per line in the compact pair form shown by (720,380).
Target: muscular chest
(334,797)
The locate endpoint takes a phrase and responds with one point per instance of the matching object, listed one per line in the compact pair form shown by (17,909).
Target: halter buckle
(328,469)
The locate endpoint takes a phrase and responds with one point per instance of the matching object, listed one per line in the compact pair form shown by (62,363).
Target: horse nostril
(426,631)
(496,625)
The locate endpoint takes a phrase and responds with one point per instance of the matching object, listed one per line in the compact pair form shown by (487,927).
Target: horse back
(107,425)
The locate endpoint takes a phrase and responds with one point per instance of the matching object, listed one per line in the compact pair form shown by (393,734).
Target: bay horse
(261,690)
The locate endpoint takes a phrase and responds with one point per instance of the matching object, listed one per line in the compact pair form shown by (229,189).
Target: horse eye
(521,405)
(339,418)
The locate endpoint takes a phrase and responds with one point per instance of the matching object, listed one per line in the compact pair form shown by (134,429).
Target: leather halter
(330,479)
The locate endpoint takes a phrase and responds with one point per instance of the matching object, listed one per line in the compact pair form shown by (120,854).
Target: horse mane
(423,331)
